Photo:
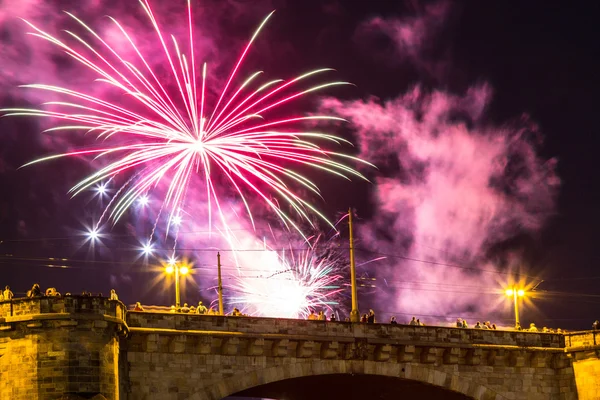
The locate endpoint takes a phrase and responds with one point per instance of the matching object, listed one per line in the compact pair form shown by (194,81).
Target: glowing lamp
(147,249)
(509,292)
(184,270)
(169,269)
(521,293)
(93,234)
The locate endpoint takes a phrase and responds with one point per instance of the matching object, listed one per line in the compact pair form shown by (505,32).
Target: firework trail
(292,283)
(171,137)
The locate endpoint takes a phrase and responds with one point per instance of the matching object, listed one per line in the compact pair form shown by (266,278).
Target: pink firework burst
(170,137)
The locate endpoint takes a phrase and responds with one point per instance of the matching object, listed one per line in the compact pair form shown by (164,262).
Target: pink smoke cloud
(451,187)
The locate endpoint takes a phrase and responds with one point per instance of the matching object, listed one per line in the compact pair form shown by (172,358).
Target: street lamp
(515,294)
(179,270)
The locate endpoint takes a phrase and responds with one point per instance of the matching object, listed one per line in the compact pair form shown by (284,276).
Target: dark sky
(540,58)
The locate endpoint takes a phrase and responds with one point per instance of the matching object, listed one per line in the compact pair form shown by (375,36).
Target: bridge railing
(62,305)
(582,339)
(254,326)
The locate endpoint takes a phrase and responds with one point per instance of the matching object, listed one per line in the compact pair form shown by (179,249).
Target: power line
(396,256)
(132,235)
(402,257)
(580,297)
(387,255)
(572,279)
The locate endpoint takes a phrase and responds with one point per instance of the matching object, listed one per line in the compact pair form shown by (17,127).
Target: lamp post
(179,271)
(354,316)
(515,294)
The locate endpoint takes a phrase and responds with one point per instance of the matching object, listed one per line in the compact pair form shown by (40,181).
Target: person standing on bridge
(371,317)
(595,325)
(518,327)
(8,295)
(532,327)
(35,291)
(201,308)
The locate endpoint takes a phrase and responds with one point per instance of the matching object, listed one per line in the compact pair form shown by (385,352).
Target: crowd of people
(460,323)
(368,318)
(36,291)
(200,309)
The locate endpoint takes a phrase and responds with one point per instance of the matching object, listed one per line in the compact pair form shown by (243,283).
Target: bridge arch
(411,372)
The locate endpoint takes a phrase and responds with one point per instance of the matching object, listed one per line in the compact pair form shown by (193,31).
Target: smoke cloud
(450,186)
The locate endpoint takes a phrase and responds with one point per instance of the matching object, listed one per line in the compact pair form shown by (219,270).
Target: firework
(292,283)
(170,136)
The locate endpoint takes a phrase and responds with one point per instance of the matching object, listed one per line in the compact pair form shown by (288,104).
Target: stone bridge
(91,348)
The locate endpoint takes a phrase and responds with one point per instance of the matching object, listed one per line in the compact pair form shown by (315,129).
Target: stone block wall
(584,349)
(585,339)
(178,356)
(90,347)
(176,367)
(586,368)
(60,305)
(291,327)
(51,346)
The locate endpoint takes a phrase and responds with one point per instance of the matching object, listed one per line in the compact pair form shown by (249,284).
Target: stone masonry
(88,347)
(50,347)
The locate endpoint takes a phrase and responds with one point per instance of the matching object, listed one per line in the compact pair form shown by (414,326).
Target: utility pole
(354,315)
(220,284)
(177,297)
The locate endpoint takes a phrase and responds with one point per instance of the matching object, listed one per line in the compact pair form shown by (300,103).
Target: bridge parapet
(28,307)
(340,330)
(582,340)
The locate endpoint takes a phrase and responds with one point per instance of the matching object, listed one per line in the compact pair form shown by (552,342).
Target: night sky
(534,63)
